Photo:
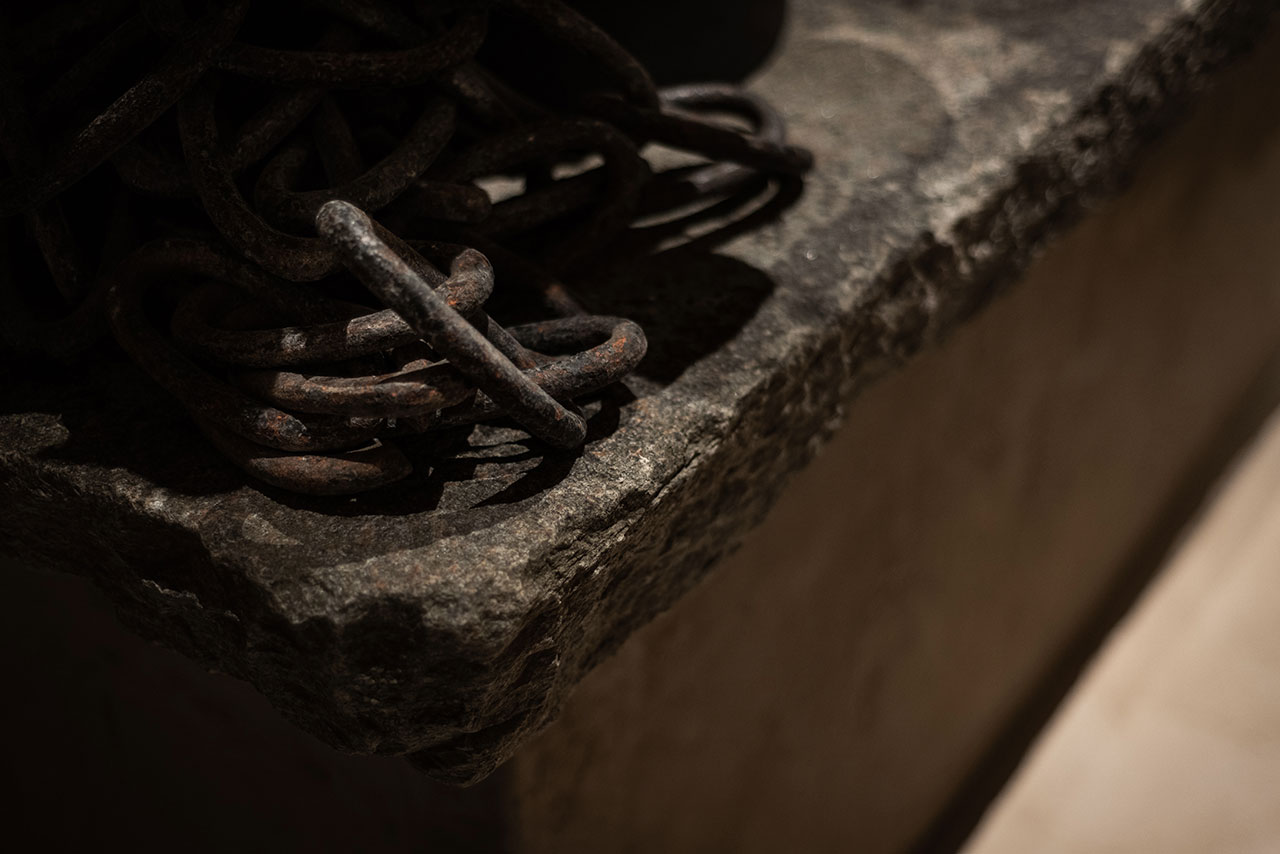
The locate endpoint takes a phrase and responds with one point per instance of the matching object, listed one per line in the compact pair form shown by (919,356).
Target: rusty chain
(227,188)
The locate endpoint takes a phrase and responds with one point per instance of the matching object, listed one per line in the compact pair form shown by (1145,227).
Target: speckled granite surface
(447,617)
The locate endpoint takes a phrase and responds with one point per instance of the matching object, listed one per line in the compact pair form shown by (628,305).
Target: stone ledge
(448,617)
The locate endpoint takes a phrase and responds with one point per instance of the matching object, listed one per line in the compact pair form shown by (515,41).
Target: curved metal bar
(335,141)
(769,129)
(203,395)
(381,18)
(351,233)
(414,391)
(153,174)
(288,256)
(561,22)
(40,38)
(133,111)
(71,84)
(444,201)
(757,151)
(468,286)
(352,69)
(359,470)
(299,259)
(375,188)
(613,348)
(624,176)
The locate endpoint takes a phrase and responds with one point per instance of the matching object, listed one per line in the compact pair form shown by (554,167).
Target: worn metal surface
(393,111)
(448,616)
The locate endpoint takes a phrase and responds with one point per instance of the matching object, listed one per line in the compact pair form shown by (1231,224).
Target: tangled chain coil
(200,180)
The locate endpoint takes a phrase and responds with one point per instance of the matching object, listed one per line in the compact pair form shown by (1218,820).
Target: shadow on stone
(108,414)
(689,303)
(689,299)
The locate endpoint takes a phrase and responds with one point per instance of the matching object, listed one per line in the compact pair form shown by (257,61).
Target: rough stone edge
(926,292)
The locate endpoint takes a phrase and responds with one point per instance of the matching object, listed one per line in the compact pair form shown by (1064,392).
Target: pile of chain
(200,180)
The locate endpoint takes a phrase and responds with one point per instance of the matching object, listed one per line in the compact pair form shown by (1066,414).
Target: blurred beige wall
(1171,742)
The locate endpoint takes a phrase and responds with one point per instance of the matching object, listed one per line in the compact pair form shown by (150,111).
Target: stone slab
(449,617)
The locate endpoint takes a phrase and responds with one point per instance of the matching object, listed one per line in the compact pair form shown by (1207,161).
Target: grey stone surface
(448,617)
